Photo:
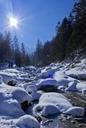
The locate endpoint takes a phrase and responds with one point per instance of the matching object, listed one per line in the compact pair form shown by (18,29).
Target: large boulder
(51,104)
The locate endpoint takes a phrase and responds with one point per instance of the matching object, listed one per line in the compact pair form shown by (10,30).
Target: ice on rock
(27,121)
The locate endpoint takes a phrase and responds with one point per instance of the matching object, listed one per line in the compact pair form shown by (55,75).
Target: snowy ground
(50,97)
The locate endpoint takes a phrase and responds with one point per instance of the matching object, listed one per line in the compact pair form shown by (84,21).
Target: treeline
(11,53)
(70,37)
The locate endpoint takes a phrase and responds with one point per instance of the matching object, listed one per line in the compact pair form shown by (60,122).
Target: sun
(13,22)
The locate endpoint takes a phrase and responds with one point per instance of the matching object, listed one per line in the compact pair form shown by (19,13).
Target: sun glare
(13,22)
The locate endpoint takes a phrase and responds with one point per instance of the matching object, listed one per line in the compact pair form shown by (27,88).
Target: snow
(81,86)
(36,95)
(7,76)
(50,103)
(11,99)
(56,99)
(21,95)
(10,108)
(75,111)
(79,70)
(48,81)
(47,73)
(50,110)
(30,82)
(61,78)
(48,84)
(12,70)
(72,87)
(27,121)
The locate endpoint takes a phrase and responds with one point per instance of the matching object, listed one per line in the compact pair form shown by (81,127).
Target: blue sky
(39,18)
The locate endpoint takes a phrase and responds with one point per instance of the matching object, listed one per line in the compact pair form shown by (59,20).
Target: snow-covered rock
(21,95)
(72,87)
(48,110)
(36,95)
(30,87)
(27,121)
(47,73)
(8,76)
(61,78)
(48,84)
(10,108)
(14,93)
(79,71)
(53,101)
(81,86)
(75,111)
(84,92)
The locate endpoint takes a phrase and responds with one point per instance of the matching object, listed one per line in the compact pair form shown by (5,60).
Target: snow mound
(13,100)
(21,95)
(10,108)
(75,111)
(54,101)
(27,121)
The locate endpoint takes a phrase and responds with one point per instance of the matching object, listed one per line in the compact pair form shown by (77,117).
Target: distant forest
(11,53)
(70,38)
